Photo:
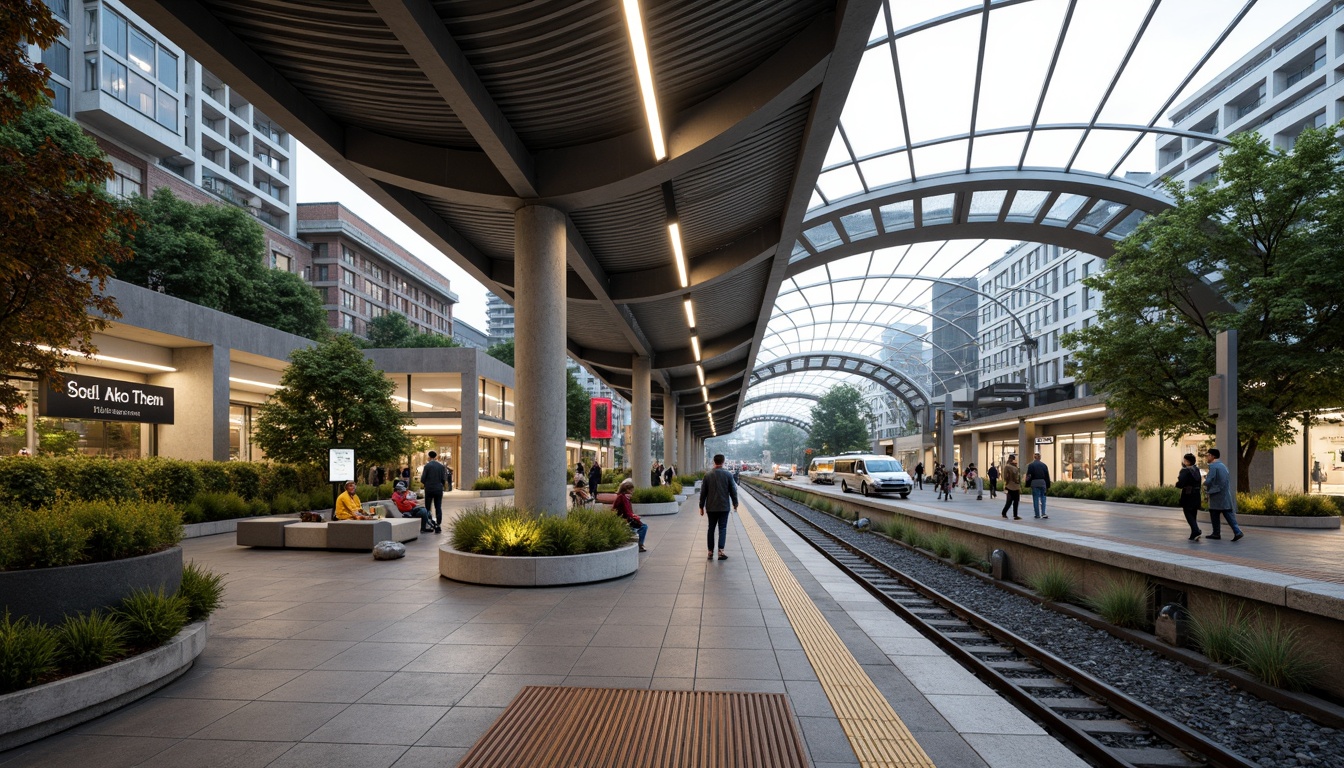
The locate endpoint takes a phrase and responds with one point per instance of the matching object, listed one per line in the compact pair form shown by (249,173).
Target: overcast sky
(938,69)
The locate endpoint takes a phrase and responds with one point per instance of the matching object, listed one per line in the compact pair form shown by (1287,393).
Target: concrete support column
(670,430)
(979,466)
(641,463)
(1223,401)
(539,339)
(945,444)
(200,428)
(469,454)
(1131,460)
(1026,442)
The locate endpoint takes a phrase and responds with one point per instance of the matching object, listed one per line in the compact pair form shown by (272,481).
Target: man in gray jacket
(718,495)
(1222,499)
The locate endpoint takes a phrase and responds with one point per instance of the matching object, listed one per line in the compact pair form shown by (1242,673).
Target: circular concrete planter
(1281,521)
(662,508)
(494,570)
(50,594)
(42,710)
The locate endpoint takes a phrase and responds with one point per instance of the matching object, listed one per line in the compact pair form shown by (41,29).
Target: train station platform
(334,659)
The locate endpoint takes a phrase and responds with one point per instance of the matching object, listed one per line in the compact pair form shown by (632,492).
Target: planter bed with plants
(505,546)
(1263,508)
(658,500)
(1264,731)
(54,676)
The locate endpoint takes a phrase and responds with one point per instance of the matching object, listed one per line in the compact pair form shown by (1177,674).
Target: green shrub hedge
(492,483)
(1286,504)
(1259,503)
(658,494)
(71,531)
(512,532)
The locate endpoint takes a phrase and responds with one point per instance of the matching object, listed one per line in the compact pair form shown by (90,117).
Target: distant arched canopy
(750,401)
(875,370)
(776,418)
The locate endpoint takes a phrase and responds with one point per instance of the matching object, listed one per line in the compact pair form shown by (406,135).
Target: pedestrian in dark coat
(993,474)
(594,478)
(1190,482)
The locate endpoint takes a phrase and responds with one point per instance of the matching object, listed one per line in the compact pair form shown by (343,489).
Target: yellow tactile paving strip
(877,734)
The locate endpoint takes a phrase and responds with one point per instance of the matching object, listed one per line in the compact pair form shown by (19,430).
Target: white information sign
(341,465)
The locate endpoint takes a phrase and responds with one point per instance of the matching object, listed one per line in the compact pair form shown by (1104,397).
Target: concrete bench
(306,536)
(268,532)
(363,534)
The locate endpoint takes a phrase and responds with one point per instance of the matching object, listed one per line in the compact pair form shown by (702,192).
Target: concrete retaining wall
(50,594)
(33,713)
(664,508)
(537,571)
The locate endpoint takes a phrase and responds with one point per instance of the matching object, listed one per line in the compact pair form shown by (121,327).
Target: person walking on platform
(1012,486)
(718,496)
(919,475)
(993,474)
(594,478)
(1038,478)
(1189,482)
(434,476)
(1222,499)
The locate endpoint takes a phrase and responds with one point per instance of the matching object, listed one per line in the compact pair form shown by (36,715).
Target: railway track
(1087,714)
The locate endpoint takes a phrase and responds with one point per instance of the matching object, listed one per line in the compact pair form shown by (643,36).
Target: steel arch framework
(776,418)
(777,396)
(874,370)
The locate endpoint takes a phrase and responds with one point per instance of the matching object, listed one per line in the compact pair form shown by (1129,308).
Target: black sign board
(90,397)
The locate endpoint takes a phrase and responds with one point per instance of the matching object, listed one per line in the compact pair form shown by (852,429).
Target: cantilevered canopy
(739,126)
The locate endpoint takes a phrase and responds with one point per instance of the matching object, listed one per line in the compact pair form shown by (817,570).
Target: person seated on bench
(347,505)
(405,502)
(624,509)
(580,493)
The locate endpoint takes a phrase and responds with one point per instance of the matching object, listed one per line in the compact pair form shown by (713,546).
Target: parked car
(871,474)
(822,470)
(783,472)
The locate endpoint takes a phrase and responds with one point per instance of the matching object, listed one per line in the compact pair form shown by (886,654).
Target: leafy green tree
(576,406)
(503,352)
(58,224)
(1272,224)
(393,330)
(840,420)
(215,256)
(332,395)
(786,443)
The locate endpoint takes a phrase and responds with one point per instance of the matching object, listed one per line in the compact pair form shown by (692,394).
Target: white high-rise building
(499,319)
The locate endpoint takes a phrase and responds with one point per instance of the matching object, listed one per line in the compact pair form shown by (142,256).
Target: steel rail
(1072,732)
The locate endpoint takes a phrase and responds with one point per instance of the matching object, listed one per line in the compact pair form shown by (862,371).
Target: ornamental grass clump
(511,532)
(1123,602)
(203,591)
(91,640)
(963,554)
(941,544)
(1275,654)
(1218,630)
(28,653)
(1054,582)
(152,618)
(491,483)
(122,529)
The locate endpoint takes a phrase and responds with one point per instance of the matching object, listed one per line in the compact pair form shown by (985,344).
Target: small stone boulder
(388,550)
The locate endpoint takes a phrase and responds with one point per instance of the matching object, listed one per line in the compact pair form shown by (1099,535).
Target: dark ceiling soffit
(852,29)
(418,26)
(704,271)
(581,177)
(709,349)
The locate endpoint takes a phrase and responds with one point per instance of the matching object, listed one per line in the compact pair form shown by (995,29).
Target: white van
(822,470)
(871,473)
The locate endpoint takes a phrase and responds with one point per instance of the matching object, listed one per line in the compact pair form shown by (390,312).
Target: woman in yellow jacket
(347,505)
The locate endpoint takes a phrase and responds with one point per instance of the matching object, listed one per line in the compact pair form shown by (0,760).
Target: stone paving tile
(539,660)
(499,690)
(339,756)
(291,654)
(224,683)
(201,753)
(423,689)
(68,749)
(271,721)
(344,629)
(335,687)
(460,727)
(270,628)
(379,724)
(426,632)
(388,657)
(161,718)
(598,661)
(458,658)
(430,757)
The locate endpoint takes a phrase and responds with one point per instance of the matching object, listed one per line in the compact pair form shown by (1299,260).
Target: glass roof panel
(1126,225)
(1027,204)
(840,183)
(938,76)
(941,158)
(898,215)
(1064,208)
(1098,37)
(937,209)
(1100,213)
(986,204)
(872,114)
(885,170)
(998,151)
(1012,67)
(822,236)
(859,224)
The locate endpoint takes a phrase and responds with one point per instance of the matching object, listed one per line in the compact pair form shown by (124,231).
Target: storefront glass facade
(1325,448)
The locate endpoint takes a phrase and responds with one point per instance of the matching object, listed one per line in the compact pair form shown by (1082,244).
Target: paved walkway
(1312,554)
(332,659)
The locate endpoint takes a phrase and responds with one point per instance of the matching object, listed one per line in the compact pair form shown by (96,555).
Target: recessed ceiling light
(695,347)
(674,232)
(690,313)
(634,23)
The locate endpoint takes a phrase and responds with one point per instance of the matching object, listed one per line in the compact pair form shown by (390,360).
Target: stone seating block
(263,533)
(404,528)
(358,534)
(307,536)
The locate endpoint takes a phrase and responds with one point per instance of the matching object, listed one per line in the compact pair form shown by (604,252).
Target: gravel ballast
(1256,729)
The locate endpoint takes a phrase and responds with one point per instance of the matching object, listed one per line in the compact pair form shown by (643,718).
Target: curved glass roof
(1012,90)
(947,86)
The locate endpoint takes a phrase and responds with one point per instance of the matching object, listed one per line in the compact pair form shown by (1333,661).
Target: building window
(348,256)
(126,179)
(348,277)
(320,251)
(348,300)
(1070,273)
(347,322)
(281,262)
(139,66)
(1070,304)
(321,272)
